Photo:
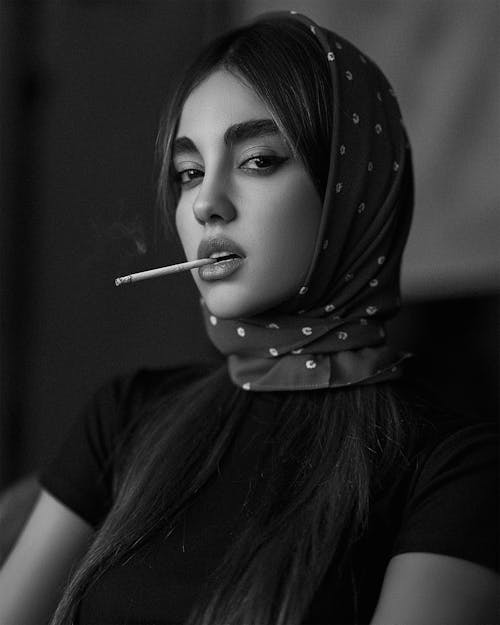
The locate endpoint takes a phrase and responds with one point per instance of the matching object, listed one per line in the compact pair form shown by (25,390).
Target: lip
(218,244)
(219,270)
(224,268)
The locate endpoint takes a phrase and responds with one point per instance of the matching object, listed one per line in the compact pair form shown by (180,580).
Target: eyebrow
(234,134)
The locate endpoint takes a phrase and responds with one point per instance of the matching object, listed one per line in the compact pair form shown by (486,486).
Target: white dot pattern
(366,113)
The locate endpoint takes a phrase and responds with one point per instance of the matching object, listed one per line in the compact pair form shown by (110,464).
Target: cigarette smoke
(117,246)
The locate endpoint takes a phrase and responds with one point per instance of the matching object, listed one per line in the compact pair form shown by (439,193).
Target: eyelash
(275,162)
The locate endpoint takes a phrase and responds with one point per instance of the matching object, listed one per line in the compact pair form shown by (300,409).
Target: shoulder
(81,471)
(134,391)
(437,433)
(153,382)
(445,497)
(130,400)
(452,445)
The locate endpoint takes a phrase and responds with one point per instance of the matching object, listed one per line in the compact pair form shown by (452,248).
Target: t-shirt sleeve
(79,474)
(452,504)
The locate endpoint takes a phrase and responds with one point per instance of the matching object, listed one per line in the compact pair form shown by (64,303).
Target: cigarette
(164,271)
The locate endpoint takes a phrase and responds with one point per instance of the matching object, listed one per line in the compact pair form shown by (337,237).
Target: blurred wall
(82,88)
(19,121)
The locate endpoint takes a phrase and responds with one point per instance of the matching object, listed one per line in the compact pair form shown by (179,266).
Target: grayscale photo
(249,295)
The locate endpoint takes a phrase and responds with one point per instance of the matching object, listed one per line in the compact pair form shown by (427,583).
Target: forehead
(219,101)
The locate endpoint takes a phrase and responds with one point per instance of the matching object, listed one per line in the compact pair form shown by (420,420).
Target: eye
(264,163)
(185,176)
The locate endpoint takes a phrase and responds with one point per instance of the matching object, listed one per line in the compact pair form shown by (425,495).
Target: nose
(212,202)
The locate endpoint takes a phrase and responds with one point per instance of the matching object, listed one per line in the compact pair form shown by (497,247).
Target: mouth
(223,256)
(228,256)
(225,265)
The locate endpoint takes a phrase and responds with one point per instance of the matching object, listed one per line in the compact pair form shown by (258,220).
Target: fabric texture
(443,502)
(331,333)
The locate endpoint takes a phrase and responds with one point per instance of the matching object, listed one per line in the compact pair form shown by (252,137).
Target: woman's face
(242,191)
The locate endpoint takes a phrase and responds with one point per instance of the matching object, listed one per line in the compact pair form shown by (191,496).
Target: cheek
(294,223)
(286,236)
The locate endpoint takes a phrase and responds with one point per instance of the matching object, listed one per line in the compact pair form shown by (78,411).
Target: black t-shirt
(445,503)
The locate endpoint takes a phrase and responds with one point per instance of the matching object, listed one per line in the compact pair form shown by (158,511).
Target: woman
(302,481)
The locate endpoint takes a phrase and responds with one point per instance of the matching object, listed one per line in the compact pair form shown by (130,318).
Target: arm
(434,589)
(33,576)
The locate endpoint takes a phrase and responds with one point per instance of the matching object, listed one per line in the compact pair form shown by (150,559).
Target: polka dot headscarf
(331,333)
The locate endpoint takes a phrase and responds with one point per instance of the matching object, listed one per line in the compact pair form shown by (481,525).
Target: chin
(229,311)
(230,306)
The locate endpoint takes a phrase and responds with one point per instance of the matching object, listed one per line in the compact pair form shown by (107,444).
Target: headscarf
(331,333)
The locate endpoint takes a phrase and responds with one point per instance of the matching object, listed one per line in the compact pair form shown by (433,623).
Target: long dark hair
(335,447)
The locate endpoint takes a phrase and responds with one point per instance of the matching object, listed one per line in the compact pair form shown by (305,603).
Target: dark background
(82,88)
